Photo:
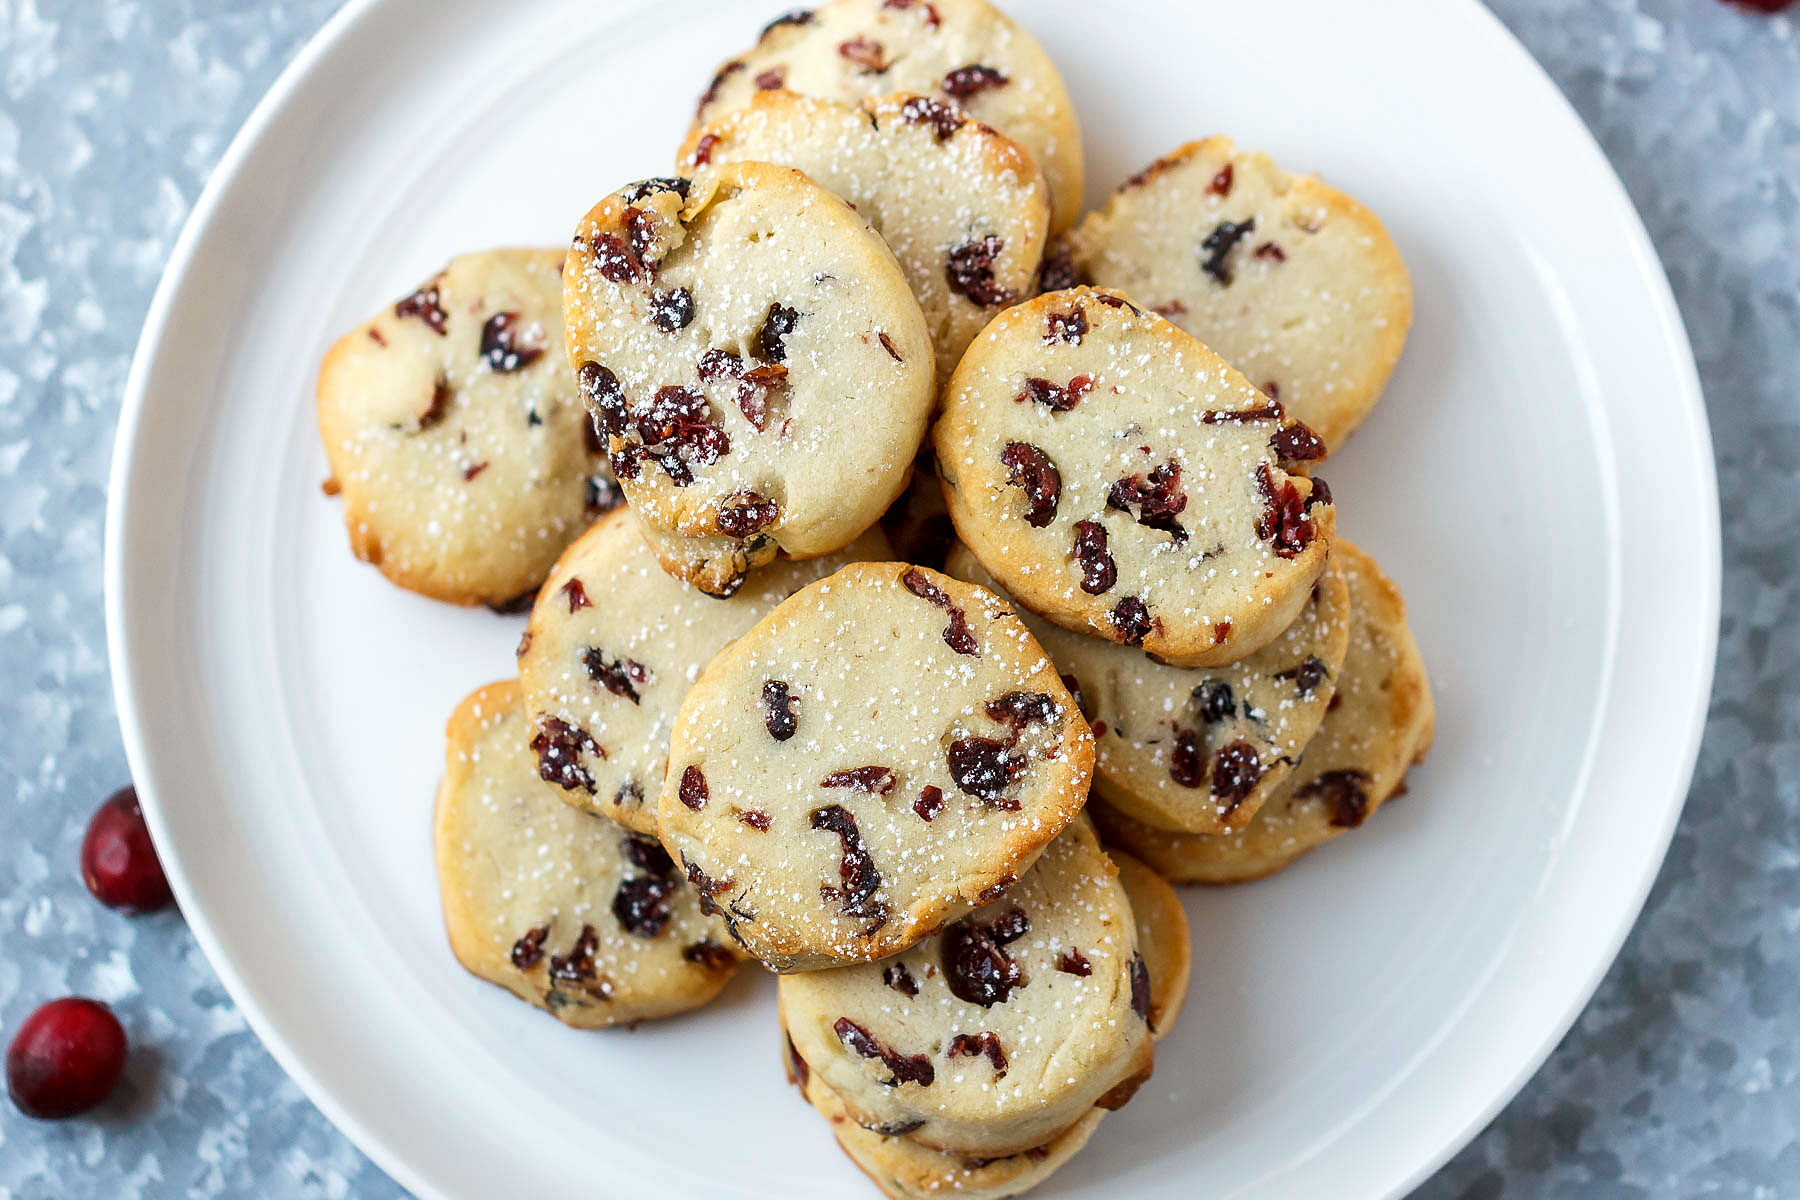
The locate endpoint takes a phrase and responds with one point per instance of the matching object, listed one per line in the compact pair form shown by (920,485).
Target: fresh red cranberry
(66,1057)
(118,862)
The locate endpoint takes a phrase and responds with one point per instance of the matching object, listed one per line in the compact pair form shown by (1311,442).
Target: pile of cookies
(922,576)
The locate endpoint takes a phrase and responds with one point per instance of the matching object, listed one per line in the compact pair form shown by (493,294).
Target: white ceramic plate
(1539,479)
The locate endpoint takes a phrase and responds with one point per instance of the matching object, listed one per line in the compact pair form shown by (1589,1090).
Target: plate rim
(225,175)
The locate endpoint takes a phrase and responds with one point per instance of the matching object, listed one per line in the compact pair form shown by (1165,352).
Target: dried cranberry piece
(755,818)
(856,870)
(704,147)
(1284,520)
(693,790)
(1098,571)
(887,343)
(524,646)
(620,676)
(866,53)
(118,860)
(771,79)
(1187,759)
(1345,794)
(930,802)
(1155,504)
(474,469)
(718,83)
(577,965)
(1269,252)
(1074,962)
(672,310)
(720,364)
(1305,675)
(970,270)
(780,710)
(1297,443)
(559,747)
(647,854)
(1132,621)
(425,305)
(1057,398)
(771,338)
(1235,771)
(1030,468)
(800,16)
(1067,327)
(1321,493)
(976,967)
(1140,987)
(932,19)
(753,393)
(1019,709)
(641,904)
(802,1072)
(606,397)
(706,885)
(1081,704)
(640,227)
(896,976)
(66,1057)
(501,346)
(528,951)
(957,635)
(746,513)
(985,768)
(967,81)
(1219,244)
(876,781)
(946,119)
(576,595)
(1244,416)
(914,1068)
(602,496)
(708,955)
(974,1045)
(1058,272)
(435,408)
(1221,182)
(678,435)
(615,262)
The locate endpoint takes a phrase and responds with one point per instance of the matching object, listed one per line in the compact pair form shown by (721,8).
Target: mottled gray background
(1679,1080)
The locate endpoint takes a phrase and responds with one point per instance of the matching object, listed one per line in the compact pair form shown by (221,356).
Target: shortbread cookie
(1379,723)
(1197,749)
(1162,938)
(1002,1031)
(1290,281)
(758,364)
(961,51)
(885,751)
(1118,477)
(905,1169)
(569,912)
(614,644)
(457,436)
(962,207)
(918,523)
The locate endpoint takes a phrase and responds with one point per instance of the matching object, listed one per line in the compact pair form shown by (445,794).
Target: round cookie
(1197,749)
(962,207)
(1290,281)
(613,645)
(1001,1032)
(887,750)
(756,361)
(456,435)
(1162,938)
(1119,478)
(566,911)
(963,51)
(907,1170)
(1380,722)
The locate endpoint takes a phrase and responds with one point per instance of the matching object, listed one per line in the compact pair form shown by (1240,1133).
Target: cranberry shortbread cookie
(1162,938)
(1292,282)
(613,645)
(962,206)
(569,912)
(885,751)
(1121,479)
(756,360)
(1197,749)
(456,435)
(1002,1031)
(964,52)
(1379,723)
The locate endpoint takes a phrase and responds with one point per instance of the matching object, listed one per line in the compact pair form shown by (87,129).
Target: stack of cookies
(922,576)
